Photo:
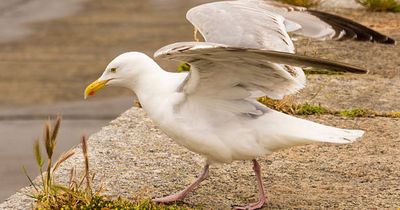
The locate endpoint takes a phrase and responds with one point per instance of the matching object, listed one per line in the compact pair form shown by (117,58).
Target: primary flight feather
(213,109)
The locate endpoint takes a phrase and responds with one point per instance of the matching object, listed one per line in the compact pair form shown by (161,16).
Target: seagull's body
(213,110)
(210,128)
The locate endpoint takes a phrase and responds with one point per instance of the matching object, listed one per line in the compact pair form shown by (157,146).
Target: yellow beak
(94,87)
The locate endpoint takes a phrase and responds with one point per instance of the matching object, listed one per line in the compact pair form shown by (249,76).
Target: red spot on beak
(91,93)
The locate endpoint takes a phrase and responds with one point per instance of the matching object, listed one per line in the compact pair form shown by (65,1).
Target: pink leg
(182,194)
(261,201)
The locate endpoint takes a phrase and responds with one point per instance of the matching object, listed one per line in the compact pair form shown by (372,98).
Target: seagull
(247,53)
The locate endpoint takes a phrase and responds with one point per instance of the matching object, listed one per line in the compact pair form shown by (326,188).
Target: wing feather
(241,24)
(264,24)
(228,72)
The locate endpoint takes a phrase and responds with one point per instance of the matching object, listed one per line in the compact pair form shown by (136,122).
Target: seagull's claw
(258,205)
(182,194)
(171,198)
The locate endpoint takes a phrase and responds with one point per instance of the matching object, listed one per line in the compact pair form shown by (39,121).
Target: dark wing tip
(307,61)
(352,29)
(389,41)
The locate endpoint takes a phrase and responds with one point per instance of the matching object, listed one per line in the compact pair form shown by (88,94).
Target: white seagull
(213,110)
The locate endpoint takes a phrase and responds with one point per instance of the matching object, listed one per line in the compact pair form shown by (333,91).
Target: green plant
(357,112)
(79,192)
(381,5)
(309,109)
(287,106)
(302,3)
(46,189)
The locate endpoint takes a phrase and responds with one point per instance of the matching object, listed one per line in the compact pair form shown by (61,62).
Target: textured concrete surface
(352,91)
(131,156)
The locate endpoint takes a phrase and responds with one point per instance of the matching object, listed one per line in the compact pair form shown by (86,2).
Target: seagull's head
(123,71)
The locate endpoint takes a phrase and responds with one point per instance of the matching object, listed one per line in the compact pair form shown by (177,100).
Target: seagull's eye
(113,70)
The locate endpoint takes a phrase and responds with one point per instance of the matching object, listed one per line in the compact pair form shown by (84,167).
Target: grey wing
(236,73)
(264,24)
(241,24)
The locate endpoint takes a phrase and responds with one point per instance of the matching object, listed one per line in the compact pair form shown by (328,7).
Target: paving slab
(372,92)
(133,157)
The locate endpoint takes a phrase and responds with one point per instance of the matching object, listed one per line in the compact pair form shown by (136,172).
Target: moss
(287,106)
(308,109)
(302,3)
(381,5)
(394,114)
(357,112)
(311,71)
(183,67)
(390,114)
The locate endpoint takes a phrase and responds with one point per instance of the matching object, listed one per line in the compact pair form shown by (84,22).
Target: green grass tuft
(79,192)
(302,3)
(381,5)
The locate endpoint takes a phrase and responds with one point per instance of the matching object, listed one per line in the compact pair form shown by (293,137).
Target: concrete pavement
(19,127)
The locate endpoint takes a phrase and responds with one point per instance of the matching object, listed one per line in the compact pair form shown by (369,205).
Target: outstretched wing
(230,73)
(349,29)
(264,24)
(241,24)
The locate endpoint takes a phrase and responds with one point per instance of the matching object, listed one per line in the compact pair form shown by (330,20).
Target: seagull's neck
(156,89)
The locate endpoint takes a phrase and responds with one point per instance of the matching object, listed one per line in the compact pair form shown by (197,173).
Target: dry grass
(381,5)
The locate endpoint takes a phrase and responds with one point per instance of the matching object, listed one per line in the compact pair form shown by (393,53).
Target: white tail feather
(337,135)
(291,131)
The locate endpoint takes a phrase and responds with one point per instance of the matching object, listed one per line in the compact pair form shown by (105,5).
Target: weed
(79,192)
(381,5)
